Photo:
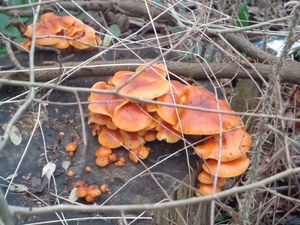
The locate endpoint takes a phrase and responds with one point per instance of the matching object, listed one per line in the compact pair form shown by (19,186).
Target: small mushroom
(81,192)
(93,191)
(102,161)
(141,152)
(103,151)
(72,146)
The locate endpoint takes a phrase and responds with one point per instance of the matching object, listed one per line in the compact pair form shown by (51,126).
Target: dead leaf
(15,135)
(48,170)
(72,196)
(4,126)
(11,176)
(65,165)
(18,188)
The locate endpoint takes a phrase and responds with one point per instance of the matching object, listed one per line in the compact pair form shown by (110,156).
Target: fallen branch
(289,72)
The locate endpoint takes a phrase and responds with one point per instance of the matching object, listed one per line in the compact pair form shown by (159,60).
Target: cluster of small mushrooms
(120,119)
(89,192)
(62,32)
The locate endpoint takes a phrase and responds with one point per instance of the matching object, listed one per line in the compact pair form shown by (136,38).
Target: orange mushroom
(149,84)
(72,146)
(131,118)
(207,178)
(81,192)
(110,138)
(98,118)
(197,122)
(155,72)
(87,36)
(235,143)
(227,169)
(207,189)
(103,151)
(102,161)
(89,198)
(93,191)
(150,135)
(43,29)
(132,139)
(170,114)
(76,27)
(168,134)
(141,152)
(103,103)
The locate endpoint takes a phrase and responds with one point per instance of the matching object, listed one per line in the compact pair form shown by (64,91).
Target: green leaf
(177,30)
(4,21)
(220,218)
(115,30)
(242,16)
(3,51)
(158,3)
(19,39)
(12,31)
(81,16)
(19,19)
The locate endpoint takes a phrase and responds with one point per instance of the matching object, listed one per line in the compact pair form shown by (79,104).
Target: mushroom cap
(169,114)
(227,169)
(168,134)
(149,84)
(72,146)
(89,198)
(99,119)
(131,118)
(142,88)
(110,125)
(178,87)
(59,23)
(103,151)
(42,29)
(198,122)
(81,192)
(93,190)
(61,44)
(76,27)
(26,44)
(132,139)
(207,189)
(103,103)
(235,143)
(150,135)
(110,138)
(141,152)
(86,35)
(120,77)
(155,72)
(207,178)
(151,107)
(102,161)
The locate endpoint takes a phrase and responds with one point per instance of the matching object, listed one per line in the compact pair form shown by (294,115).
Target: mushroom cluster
(230,148)
(61,32)
(120,121)
(89,192)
